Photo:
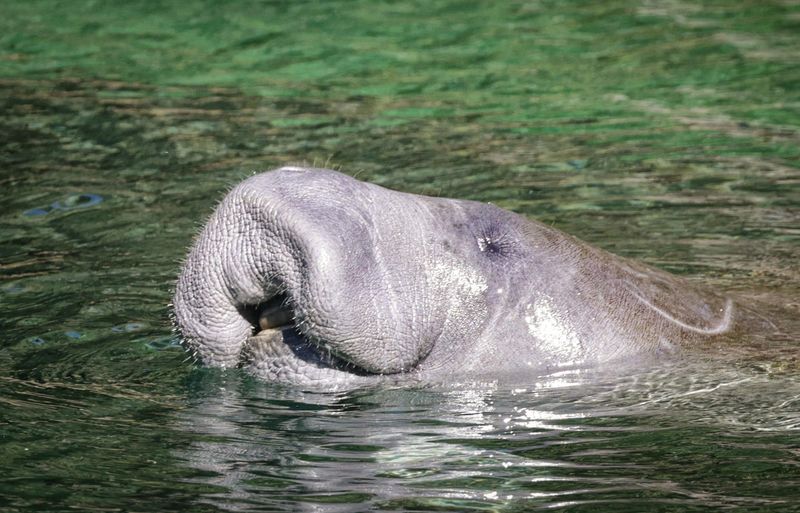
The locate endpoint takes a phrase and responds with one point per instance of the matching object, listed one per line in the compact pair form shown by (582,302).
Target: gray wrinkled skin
(389,285)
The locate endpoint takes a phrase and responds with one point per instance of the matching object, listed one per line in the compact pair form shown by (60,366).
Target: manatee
(311,277)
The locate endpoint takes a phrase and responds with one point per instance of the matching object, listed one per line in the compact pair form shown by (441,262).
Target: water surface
(664,131)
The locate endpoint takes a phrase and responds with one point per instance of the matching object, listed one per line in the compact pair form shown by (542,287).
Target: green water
(664,131)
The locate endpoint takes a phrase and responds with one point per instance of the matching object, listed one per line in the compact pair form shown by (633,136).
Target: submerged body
(309,276)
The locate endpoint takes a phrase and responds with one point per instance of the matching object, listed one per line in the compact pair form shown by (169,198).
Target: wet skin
(309,276)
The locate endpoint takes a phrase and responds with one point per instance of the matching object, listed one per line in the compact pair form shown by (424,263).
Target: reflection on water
(664,131)
(573,439)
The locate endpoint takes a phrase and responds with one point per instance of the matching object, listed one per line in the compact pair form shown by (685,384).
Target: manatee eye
(489,245)
(495,242)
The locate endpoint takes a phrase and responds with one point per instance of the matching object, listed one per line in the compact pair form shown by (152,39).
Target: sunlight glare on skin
(464,280)
(554,333)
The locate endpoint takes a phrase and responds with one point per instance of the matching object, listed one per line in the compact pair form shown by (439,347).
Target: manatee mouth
(281,349)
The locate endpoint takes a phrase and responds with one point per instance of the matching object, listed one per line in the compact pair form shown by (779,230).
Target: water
(664,131)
